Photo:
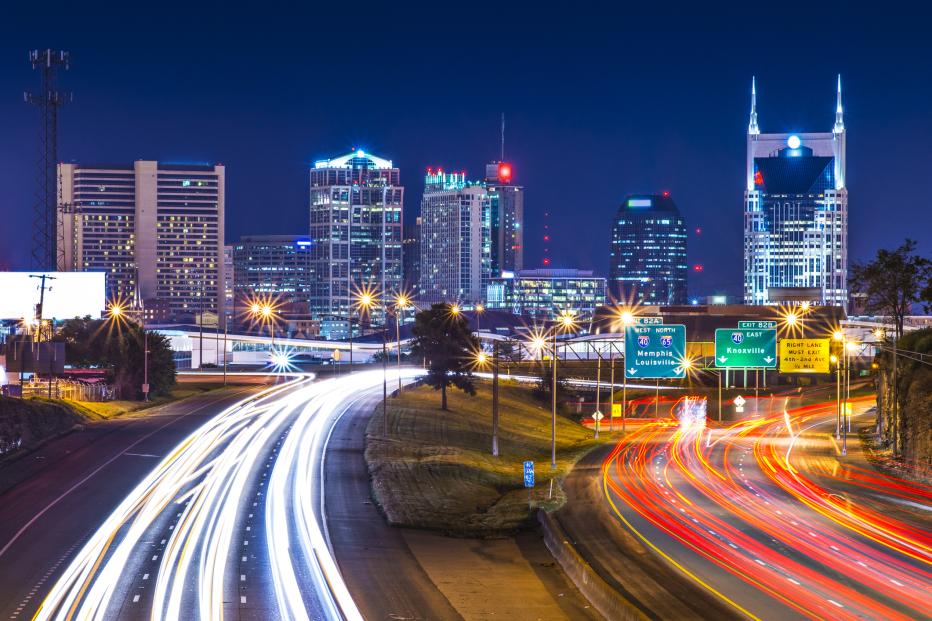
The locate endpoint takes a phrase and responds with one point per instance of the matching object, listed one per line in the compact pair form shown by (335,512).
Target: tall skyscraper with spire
(796,215)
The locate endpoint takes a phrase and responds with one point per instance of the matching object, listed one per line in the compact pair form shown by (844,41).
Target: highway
(229,522)
(767,519)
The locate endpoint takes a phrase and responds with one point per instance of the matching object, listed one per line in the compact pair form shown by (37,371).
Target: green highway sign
(746,348)
(757,325)
(655,351)
(648,320)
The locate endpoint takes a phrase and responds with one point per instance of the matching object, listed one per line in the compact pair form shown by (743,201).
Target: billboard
(67,294)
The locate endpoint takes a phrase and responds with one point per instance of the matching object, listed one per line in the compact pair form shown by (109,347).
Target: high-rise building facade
(155,229)
(796,215)
(411,251)
(545,293)
(506,218)
(272,267)
(648,253)
(455,239)
(356,232)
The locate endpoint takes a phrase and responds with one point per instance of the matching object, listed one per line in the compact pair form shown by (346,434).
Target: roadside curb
(605,599)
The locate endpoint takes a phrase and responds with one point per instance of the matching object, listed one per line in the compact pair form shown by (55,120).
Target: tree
(443,339)
(119,347)
(893,282)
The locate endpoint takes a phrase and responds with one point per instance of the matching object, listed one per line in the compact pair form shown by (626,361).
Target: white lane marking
(831,601)
(136,598)
(145,576)
(38,515)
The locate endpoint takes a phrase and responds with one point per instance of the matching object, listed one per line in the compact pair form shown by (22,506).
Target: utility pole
(495,398)
(38,338)
(45,250)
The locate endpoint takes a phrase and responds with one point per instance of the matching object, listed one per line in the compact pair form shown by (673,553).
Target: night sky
(601,102)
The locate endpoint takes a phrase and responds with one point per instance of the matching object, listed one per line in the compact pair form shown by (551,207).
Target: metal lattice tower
(45,246)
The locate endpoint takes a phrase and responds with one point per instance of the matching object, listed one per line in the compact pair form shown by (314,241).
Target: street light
(401,303)
(566,322)
(265,311)
(479,310)
(365,299)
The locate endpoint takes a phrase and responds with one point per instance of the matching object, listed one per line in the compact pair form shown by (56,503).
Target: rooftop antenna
(503,137)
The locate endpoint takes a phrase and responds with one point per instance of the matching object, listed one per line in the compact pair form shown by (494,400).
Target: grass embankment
(436,471)
(26,423)
(103,410)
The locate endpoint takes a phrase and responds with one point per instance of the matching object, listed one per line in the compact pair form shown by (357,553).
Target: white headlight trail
(199,492)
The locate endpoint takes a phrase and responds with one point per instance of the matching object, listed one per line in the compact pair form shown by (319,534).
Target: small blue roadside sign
(529,474)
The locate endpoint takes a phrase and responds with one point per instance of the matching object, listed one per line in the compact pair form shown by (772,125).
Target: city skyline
(685,134)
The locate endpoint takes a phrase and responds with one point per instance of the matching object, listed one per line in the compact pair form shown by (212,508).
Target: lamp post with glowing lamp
(401,303)
(839,337)
(565,322)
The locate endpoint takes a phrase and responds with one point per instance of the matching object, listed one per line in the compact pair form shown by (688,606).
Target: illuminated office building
(272,267)
(356,233)
(455,239)
(796,215)
(155,229)
(506,219)
(648,251)
(545,293)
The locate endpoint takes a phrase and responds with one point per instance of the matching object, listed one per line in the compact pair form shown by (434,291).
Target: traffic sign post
(746,347)
(757,325)
(805,356)
(655,351)
(739,402)
(529,474)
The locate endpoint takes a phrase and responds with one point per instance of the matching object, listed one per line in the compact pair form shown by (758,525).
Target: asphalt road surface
(226,519)
(766,517)
(52,500)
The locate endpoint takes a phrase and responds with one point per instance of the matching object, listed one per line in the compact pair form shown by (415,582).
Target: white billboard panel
(67,294)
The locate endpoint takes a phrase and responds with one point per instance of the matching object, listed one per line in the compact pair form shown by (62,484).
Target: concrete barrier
(609,602)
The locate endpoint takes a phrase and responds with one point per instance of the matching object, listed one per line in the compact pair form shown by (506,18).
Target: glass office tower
(648,254)
(796,215)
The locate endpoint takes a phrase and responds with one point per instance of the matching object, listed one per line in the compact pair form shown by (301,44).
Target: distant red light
(666,193)
(546,237)
(504,172)
(698,231)
(758,178)
(697,267)
(546,261)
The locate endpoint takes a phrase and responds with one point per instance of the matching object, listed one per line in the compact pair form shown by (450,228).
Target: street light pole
(598,389)
(553,411)
(495,398)
(611,391)
(399,309)
(385,371)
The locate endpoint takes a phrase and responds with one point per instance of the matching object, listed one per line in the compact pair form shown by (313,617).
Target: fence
(67,389)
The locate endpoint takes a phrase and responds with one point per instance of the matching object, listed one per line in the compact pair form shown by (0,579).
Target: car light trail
(199,492)
(755,505)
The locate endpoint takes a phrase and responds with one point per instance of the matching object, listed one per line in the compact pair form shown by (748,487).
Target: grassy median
(435,469)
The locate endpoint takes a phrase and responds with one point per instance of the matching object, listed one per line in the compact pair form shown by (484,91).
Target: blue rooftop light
(360,153)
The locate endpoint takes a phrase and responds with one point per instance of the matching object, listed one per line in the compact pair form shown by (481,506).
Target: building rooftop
(356,159)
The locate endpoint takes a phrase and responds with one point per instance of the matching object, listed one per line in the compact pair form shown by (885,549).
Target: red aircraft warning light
(504,172)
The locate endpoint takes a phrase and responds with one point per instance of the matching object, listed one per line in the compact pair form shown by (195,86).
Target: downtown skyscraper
(456,241)
(356,233)
(648,251)
(506,219)
(796,215)
(155,229)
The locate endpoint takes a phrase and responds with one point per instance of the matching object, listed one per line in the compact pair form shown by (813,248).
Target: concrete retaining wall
(603,597)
